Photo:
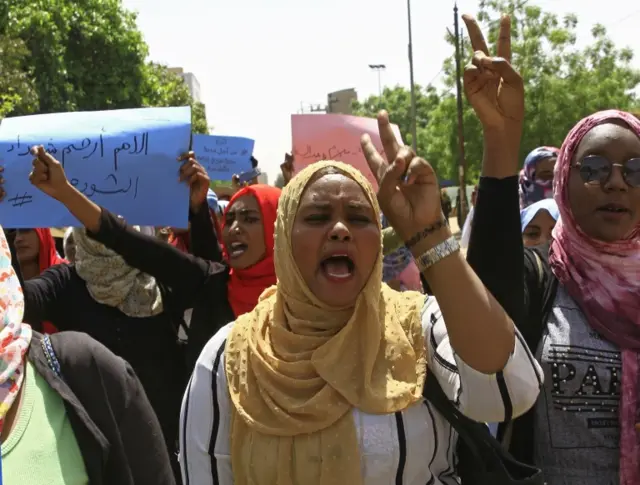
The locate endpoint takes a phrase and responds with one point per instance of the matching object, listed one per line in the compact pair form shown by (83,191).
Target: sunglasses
(596,169)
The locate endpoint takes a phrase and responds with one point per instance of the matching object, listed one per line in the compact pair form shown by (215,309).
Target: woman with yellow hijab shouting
(322,383)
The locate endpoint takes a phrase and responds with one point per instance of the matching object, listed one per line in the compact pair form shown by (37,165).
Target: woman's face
(335,239)
(27,245)
(611,210)
(538,231)
(544,169)
(243,233)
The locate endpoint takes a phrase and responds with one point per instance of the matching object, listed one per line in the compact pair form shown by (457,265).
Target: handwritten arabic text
(89,147)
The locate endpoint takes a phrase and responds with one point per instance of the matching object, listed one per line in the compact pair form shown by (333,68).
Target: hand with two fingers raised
(495,90)
(408,193)
(196,176)
(492,86)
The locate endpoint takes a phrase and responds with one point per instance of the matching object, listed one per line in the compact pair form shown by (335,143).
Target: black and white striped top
(412,447)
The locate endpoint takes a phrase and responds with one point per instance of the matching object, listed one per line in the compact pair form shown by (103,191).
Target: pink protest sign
(334,137)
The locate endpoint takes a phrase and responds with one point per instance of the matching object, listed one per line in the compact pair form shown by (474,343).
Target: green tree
(397,101)
(563,83)
(165,88)
(89,55)
(86,55)
(17,88)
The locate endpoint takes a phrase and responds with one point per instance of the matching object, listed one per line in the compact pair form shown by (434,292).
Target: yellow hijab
(296,367)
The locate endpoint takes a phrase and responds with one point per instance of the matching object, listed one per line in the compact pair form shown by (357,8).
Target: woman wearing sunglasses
(576,301)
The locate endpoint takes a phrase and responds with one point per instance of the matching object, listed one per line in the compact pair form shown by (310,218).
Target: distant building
(190,80)
(339,102)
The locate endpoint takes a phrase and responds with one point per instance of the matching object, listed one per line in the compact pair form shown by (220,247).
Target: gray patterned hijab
(111,281)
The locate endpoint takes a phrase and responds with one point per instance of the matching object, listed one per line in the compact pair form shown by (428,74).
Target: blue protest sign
(124,160)
(223,156)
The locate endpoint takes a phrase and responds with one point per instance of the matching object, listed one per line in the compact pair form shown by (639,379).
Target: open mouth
(613,209)
(237,249)
(338,267)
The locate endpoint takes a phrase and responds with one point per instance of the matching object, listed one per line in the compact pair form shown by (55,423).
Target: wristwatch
(437,253)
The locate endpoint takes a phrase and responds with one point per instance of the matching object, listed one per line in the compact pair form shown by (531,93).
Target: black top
(519,278)
(117,432)
(212,310)
(497,254)
(149,344)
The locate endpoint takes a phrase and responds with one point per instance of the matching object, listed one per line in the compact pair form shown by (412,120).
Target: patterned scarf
(531,189)
(112,282)
(15,336)
(603,278)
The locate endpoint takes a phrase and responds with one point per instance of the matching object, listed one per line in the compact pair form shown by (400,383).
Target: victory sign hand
(408,191)
(491,84)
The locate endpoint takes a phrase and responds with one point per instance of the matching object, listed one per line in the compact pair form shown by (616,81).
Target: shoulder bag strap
(492,465)
(50,355)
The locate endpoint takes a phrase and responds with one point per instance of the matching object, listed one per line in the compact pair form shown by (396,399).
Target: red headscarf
(180,241)
(602,277)
(246,285)
(47,257)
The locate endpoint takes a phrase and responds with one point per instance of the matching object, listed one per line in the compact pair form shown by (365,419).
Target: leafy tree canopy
(563,83)
(82,55)
(17,90)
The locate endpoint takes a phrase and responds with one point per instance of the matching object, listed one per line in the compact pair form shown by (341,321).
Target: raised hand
(48,175)
(287,167)
(491,84)
(196,176)
(236,184)
(408,191)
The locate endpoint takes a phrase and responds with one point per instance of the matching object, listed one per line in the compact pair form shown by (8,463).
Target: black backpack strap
(541,305)
(542,287)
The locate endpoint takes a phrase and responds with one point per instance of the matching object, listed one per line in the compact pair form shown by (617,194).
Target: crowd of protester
(329,333)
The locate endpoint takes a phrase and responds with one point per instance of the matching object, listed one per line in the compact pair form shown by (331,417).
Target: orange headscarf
(246,285)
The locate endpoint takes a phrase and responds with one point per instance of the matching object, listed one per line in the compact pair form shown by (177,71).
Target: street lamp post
(378,68)
(462,166)
(414,137)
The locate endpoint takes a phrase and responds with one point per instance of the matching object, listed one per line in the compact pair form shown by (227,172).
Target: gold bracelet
(437,253)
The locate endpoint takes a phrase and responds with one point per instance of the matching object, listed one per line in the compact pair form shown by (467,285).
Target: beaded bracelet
(425,232)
